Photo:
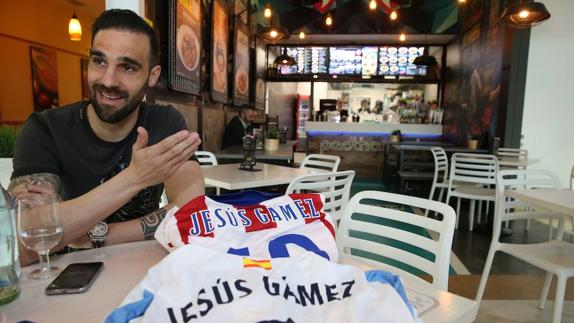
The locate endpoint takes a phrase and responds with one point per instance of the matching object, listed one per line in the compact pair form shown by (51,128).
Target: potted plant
(473,141)
(8,135)
(272,139)
(396,136)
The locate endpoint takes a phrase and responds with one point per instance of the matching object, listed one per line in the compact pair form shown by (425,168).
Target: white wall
(548,121)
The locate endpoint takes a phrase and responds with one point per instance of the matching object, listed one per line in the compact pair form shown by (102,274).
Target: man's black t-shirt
(60,141)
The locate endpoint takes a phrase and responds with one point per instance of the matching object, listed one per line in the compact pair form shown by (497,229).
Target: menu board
(354,60)
(310,60)
(345,60)
(318,60)
(370,60)
(399,61)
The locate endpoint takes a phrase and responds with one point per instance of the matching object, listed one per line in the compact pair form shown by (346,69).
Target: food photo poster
(219,75)
(241,64)
(185,46)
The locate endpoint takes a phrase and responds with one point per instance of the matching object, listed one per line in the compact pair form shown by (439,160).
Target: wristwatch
(98,234)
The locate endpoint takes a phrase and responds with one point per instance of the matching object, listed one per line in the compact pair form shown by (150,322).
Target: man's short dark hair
(128,20)
(246,107)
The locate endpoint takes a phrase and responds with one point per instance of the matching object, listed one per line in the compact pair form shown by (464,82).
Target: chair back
(321,162)
(398,240)
(335,188)
(6,170)
(512,152)
(206,158)
(508,209)
(440,165)
(473,169)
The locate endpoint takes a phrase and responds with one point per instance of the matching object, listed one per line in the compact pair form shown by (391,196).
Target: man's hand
(151,165)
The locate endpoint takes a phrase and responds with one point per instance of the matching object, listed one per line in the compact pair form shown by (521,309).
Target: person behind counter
(344,114)
(238,127)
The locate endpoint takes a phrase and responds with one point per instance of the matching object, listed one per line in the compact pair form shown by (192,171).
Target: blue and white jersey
(197,284)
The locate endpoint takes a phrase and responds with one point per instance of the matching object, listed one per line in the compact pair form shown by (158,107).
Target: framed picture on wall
(240,10)
(220,43)
(84,70)
(260,64)
(241,64)
(44,64)
(184,62)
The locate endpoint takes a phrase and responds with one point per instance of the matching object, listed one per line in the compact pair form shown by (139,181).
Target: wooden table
(560,201)
(125,266)
(284,153)
(230,177)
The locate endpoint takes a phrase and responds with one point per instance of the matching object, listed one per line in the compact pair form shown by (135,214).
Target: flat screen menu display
(399,61)
(355,60)
(310,60)
(318,60)
(345,60)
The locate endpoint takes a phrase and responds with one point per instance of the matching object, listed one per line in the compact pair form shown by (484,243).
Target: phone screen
(76,278)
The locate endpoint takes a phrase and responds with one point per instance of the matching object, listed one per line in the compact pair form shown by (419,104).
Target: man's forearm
(150,222)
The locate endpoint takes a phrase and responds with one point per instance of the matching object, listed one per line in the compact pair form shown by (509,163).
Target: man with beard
(113,154)
(239,126)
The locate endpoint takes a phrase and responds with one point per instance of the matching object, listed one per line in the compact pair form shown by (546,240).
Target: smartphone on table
(76,278)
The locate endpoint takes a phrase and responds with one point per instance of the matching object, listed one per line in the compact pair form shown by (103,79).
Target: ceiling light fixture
(75,28)
(284,59)
(267,11)
(394,15)
(301,34)
(461,1)
(402,37)
(273,34)
(425,59)
(329,20)
(525,14)
(373,5)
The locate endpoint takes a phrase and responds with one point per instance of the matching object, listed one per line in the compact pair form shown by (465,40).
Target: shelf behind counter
(361,145)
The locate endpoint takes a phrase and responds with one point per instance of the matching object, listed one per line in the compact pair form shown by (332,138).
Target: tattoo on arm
(151,221)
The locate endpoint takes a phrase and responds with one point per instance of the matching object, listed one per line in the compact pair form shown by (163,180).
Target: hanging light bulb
(394,15)
(402,37)
(461,1)
(373,5)
(301,34)
(267,11)
(329,20)
(75,28)
(273,33)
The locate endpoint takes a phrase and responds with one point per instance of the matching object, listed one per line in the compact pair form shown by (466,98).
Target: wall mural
(472,89)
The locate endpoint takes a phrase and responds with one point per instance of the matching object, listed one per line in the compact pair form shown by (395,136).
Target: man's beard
(111,114)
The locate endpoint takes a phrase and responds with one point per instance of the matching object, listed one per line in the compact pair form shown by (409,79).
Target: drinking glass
(40,229)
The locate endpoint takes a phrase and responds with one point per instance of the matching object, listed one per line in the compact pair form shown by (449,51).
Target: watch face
(100,230)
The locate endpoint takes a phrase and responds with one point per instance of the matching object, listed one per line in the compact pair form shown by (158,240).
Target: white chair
(6,170)
(440,178)
(556,257)
(512,152)
(371,230)
(471,177)
(335,187)
(205,159)
(321,162)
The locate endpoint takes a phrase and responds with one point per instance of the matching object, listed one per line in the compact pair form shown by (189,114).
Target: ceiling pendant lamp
(373,5)
(425,60)
(525,14)
(273,34)
(329,20)
(75,28)
(284,59)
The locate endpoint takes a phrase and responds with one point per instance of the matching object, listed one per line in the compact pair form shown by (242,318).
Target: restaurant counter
(361,145)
